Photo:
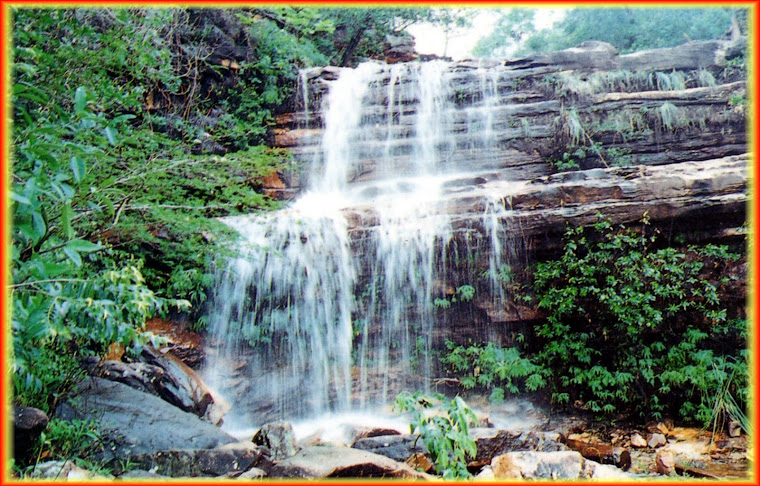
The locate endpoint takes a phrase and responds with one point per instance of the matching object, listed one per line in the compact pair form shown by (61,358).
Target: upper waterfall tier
(512,119)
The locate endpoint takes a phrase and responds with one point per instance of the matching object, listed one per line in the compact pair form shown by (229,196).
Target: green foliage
(69,295)
(512,28)
(465,293)
(632,327)
(447,437)
(63,439)
(493,367)
(628,29)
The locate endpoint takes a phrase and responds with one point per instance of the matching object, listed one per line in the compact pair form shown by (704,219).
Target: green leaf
(83,246)
(66,215)
(19,198)
(110,135)
(80,100)
(73,256)
(40,227)
(77,168)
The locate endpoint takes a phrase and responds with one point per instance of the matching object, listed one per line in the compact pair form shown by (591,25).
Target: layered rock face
(424,191)
(660,132)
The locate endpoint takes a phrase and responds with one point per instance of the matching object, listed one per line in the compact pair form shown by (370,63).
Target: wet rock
(493,442)
(27,423)
(165,376)
(396,447)
(595,470)
(399,49)
(602,453)
(538,465)
(182,341)
(485,474)
(665,463)
(638,441)
(552,465)
(181,386)
(656,440)
(226,460)
(588,55)
(278,437)
(358,432)
(337,462)
(135,422)
(253,473)
(63,470)
(419,462)
(140,474)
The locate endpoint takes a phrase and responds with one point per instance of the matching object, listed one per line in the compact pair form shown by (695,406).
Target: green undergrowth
(633,328)
(445,433)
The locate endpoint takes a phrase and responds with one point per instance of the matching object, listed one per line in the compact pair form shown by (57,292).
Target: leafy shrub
(70,297)
(634,328)
(446,437)
(493,367)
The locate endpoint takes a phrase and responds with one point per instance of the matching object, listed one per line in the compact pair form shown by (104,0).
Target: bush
(634,328)
(446,437)
(493,368)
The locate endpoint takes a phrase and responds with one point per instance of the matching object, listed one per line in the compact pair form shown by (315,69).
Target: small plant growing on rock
(445,433)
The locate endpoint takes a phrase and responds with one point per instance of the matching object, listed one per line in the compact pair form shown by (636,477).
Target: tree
(628,29)
(512,28)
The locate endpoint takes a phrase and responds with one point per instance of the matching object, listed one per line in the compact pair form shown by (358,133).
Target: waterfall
(313,315)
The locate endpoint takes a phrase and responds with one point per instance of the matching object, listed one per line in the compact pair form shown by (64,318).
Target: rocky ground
(158,420)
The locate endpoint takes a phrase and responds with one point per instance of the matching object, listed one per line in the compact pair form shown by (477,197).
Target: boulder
(399,48)
(656,440)
(140,474)
(665,463)
(595,470)
(165,376)
(227,460)
(494,442)
(278,437)
(552,465)
(253,473)
(361,432)
(419,462)
(341,462)
(638,441)
(136,422)
(602,453)
(396,447)
(63,470)
(27,424)
(538,465)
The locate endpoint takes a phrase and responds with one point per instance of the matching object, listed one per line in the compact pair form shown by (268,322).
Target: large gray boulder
(279,438)
(341,462)
(396,447)
(137,422)
(229,460)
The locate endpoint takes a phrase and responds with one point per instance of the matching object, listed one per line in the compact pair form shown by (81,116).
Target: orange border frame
(753,119)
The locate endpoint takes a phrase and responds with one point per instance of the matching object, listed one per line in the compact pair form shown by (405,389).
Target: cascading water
(313,316)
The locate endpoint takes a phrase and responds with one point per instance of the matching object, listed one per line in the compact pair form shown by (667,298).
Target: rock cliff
(574,134)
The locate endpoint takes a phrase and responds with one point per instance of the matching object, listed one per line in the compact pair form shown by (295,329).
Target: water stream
(321,314)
